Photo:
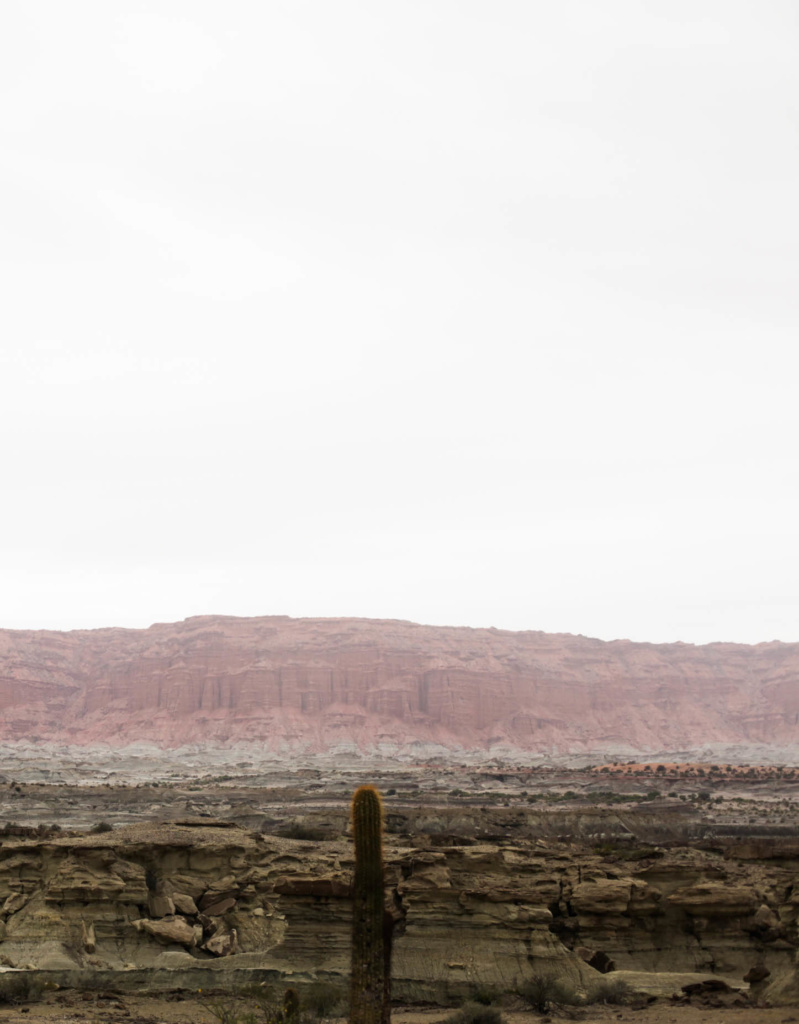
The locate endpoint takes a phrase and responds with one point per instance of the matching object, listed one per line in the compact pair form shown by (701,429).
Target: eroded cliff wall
(178,896)
(316,684)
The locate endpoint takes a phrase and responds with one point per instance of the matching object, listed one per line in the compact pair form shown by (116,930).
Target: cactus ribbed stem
(369,995)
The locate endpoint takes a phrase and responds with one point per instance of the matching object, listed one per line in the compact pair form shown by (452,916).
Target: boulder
(184,904)
(707,985)
(209,925)
(766,918)
(223,943)
(212,896)
(220,908)
(16,901)
(169,930)
(602,962)
(159,905)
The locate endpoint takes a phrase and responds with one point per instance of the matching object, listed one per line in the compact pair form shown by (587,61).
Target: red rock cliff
(320,682)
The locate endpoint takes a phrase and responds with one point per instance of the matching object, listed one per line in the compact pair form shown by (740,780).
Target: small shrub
(485,995)
(101,826)
(608,989)
(226,1009)
(540,991)
(476,1013)
(255,1004)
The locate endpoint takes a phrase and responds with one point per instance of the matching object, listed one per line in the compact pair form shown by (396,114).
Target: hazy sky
(470,313)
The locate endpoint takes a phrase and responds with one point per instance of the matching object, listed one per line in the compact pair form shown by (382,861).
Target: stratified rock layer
(320,684)
(477,915)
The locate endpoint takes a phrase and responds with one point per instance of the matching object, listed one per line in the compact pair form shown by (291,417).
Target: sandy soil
(92,1008)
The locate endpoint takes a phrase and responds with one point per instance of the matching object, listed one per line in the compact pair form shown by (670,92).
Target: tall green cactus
(370,996)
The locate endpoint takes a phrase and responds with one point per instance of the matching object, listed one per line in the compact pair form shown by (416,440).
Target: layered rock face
(192,897)
(320,684)
(183,896)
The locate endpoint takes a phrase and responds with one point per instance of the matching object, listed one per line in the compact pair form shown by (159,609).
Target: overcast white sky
(470,313)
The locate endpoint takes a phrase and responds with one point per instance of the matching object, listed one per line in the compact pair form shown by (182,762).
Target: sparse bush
(476,1013)
(101,826)
(226,1009)
(545,989)
(485,995)
(608,989)
(255,1004)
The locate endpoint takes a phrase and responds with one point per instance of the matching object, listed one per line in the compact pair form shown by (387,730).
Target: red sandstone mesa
(316,683)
